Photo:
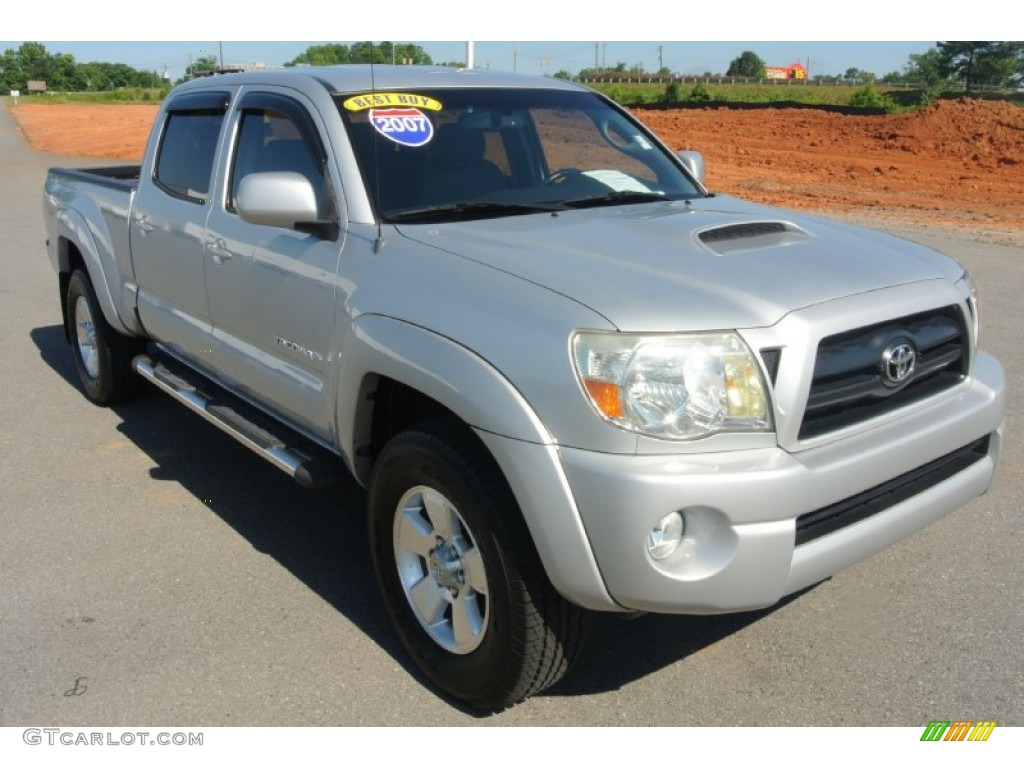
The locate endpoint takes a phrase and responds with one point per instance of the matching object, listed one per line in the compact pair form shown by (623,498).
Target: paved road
(152,572)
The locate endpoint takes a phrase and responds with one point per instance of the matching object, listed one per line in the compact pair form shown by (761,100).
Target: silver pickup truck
(571,377)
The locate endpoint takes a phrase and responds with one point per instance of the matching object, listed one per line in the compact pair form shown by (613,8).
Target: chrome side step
(308,464)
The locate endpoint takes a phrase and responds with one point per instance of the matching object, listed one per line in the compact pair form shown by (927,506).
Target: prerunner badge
(403,126)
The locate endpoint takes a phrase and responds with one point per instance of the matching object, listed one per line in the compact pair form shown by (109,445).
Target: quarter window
(184,165)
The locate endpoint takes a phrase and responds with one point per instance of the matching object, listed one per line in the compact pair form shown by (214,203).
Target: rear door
(272,290)
(169,219)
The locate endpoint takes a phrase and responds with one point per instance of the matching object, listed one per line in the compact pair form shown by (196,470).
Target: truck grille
(821,522)
(876,369)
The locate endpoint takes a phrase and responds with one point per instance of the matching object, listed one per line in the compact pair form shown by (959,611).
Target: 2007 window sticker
(403,126)
(398,117)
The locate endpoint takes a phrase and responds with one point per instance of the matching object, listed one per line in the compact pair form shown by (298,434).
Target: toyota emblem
(899,361)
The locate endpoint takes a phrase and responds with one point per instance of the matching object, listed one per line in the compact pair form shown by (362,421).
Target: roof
(355,78)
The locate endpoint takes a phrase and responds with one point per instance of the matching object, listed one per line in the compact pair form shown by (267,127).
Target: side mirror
(277,199)
(694,163)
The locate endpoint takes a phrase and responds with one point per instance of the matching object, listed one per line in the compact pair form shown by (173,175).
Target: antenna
(379,243)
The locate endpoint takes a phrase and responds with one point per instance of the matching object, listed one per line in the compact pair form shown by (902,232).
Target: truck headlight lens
(973,304)
(677,387)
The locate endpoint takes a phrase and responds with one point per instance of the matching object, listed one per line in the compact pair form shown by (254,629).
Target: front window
(469,152)
(269,140)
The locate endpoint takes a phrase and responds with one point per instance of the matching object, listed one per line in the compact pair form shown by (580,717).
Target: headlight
(967,286)
(677,387)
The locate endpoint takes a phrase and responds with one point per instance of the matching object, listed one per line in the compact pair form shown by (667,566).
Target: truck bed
(124,177)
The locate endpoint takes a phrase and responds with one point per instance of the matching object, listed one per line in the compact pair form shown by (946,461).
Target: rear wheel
(102,355)
(459,573)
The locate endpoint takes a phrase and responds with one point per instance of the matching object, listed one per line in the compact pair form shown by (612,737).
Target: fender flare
(438,367)
(72,227)
(479,394)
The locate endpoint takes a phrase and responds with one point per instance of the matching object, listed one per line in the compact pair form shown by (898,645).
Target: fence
(819,81)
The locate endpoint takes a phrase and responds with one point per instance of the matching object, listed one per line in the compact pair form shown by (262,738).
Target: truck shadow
(321,538)
(617,651)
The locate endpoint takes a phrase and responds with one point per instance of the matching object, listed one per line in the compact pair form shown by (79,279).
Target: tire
(102,356)
(458,571)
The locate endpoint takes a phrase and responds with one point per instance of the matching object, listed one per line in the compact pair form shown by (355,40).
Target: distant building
(795,71)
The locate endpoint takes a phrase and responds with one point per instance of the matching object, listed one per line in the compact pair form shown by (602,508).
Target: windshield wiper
(616,198)
(470,210)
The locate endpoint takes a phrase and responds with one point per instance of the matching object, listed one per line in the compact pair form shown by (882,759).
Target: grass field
(718,90)
(648,91)
(117,96)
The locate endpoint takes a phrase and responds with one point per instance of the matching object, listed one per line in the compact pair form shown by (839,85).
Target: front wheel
(462,581)
(102,356)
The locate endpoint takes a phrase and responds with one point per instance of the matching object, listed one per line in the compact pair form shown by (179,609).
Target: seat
(461,169)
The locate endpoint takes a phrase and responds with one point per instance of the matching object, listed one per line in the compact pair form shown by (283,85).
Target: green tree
(12,76)
(981,63)
(322,55)
(859,75)
(365,52)
(407,53)
(206,64)
(925,68)
(747,64)
(35,61)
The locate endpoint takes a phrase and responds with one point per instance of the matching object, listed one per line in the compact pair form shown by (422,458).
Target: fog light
(664,538)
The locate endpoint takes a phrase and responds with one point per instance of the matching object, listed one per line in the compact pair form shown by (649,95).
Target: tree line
(362,53)
(60,72)
(971,63)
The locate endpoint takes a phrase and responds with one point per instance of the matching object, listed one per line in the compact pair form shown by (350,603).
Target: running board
(307,463)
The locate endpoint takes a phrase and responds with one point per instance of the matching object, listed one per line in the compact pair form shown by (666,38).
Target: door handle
(218,249)
(144,224)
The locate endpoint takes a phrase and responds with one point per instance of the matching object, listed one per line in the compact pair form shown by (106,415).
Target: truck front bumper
(741,508)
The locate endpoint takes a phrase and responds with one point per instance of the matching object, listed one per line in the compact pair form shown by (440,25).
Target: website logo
(958,730)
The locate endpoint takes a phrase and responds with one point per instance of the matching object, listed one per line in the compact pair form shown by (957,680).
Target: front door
(272,290)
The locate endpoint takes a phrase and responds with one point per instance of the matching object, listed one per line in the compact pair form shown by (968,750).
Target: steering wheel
(613,133)
(562,176)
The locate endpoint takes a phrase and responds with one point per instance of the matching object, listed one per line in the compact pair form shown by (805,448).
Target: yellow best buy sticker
(382,100)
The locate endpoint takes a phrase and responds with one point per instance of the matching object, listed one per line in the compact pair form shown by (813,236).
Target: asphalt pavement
(154,571)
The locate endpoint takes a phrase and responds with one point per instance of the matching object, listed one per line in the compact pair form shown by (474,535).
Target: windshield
(432,154)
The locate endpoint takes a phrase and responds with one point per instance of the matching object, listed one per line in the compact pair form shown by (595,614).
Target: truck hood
(710,263)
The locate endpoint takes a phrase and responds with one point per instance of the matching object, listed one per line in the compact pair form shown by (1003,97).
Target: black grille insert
(826,520)
(771,356)
(850,385)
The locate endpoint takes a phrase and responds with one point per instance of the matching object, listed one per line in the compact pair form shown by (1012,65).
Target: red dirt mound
(953,164)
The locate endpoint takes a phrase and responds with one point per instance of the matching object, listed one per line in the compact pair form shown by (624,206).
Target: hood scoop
(750,236)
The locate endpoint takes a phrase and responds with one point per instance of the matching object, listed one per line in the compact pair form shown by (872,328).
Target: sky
(870,35)
(530,57)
